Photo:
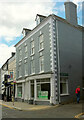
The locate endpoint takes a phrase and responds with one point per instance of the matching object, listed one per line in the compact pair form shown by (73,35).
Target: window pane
(64,88)
(41,41)
(32,66)
(42,63)
(25,69)
(19,91)
(32,47)
(63,85)
(43,91)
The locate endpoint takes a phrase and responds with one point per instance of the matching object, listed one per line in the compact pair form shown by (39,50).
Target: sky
(18,14)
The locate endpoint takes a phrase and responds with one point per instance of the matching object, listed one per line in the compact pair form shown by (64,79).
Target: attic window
(38,20)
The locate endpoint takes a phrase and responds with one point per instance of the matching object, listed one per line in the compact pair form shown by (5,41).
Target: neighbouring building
(12,73)
(8,71)
(0,86)
(49,59)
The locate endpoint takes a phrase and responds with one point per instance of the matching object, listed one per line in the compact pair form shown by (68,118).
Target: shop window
(63,85)
(19,91)
(43,89)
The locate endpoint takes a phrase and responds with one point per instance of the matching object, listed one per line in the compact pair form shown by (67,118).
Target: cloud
(15,15)
(5,53)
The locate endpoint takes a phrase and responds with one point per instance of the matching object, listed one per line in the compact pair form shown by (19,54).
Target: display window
(19,91)
(43,89)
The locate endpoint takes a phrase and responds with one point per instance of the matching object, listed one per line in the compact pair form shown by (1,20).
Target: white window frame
(26,70)
(26,49)
(32,47)
(66,82)
(33,66)
(20,54)
(41,42)
(41,63)
(20,72)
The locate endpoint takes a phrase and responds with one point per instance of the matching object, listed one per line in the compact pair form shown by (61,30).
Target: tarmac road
(63,111)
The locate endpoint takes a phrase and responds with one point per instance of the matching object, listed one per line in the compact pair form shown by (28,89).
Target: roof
(7,61)
(58,18)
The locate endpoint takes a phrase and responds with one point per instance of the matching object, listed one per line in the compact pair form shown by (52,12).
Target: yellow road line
(77,116)
(6,106)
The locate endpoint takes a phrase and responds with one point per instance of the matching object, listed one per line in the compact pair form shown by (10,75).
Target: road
(63,111)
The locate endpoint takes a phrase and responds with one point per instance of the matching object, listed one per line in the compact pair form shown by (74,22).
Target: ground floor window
(43,89)
(63,85)
(19,91)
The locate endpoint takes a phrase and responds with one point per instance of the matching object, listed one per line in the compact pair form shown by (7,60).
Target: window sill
(42,99)
(32,74)
(25,58)
(32,54)
(41,50)
(20,60)
(26,75)
(64,94)
(41,72)
(20,77)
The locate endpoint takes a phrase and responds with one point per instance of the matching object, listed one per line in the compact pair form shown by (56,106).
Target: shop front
(36,90)
(39,91)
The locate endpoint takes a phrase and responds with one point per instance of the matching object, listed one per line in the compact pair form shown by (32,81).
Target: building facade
(49,59)
(8,71)
(0,86)
(12,73)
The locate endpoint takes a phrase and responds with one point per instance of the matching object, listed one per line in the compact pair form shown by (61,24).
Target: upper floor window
(32,66)
(19,71)
(32,47)
(41,63)
(20,54)
(41,42)
(26,52)
(26,66)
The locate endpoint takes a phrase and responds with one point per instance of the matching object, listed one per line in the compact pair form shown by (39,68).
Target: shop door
(32,89)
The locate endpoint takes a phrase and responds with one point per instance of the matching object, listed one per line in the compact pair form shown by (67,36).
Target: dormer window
(39,18)
(25,31)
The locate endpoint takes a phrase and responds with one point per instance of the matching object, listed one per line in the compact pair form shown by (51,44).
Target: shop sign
(64,74)
(43,95)
(11,75)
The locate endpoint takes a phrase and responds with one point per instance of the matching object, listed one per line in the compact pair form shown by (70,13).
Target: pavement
(27,107)
(24,106)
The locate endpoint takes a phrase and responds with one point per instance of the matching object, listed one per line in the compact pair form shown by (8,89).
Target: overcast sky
(18,14)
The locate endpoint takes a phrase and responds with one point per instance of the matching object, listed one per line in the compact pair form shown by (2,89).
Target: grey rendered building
(49,59)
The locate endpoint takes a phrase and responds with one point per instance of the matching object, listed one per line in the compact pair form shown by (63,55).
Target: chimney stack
(71,12)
